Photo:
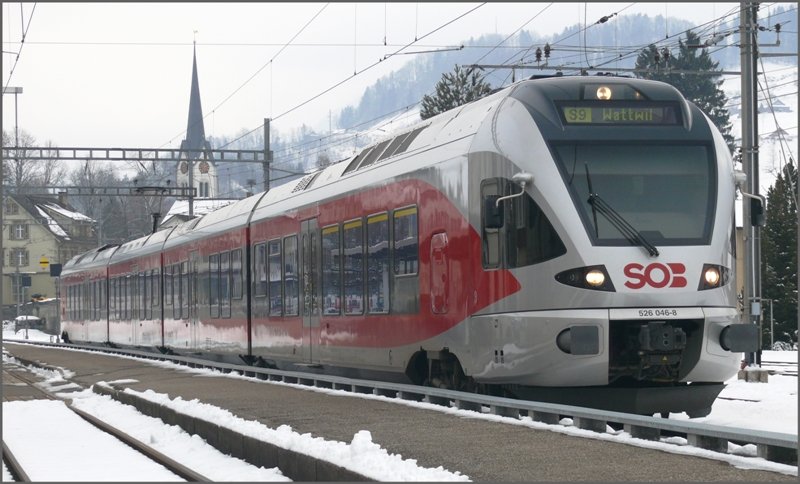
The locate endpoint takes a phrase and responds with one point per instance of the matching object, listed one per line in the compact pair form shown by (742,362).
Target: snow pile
(361,455)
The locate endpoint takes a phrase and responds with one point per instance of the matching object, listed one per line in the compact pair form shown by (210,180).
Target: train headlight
(604,93)
(595,278)
(590,277)
(713,276)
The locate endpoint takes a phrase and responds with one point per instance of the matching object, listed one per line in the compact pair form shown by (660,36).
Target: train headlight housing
(713,276)
(590,277)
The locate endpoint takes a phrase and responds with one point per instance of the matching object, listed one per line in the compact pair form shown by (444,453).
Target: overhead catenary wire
(339,83)
(24,32)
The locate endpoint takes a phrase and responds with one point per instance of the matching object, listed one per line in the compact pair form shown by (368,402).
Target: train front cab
(617,219)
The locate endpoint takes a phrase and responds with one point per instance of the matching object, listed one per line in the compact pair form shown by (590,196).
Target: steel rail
(14,466)
(172,465)
(773,446)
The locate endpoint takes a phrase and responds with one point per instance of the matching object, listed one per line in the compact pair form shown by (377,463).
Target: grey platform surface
(480,449)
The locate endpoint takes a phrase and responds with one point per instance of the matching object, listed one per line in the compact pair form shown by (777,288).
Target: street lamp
(15,91)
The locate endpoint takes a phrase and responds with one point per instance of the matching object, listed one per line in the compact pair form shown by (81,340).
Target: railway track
(773,446)
(19,473)
(780,367)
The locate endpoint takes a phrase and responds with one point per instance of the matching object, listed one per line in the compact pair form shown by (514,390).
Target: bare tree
(20,171)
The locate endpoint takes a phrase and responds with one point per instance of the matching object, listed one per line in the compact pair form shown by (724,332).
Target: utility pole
(267,154)
(752,235)
(15,91)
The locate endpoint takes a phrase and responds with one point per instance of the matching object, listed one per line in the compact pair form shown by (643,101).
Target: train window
(666,191)
(291,286)
(260,270)
(491,189)
(143,287)
(213,285)
(184,290)
(94,302)
(530,235)
(275,294)
(353,245)
(167,286)
(123,298)
(378,263)
(236,274)
(225,285)
(112,303)
(406,242)
(331,271)
(524,235)
(156,286)
(176,291)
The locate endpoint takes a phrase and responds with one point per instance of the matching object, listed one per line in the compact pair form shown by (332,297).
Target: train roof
(97,257)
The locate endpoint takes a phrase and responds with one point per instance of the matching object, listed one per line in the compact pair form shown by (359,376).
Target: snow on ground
(768,406)
(54,444)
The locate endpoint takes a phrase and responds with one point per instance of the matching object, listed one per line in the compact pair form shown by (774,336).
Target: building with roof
(203,168)
(179,212)
(42,231)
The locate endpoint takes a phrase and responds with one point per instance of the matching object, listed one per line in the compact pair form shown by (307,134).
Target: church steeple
(195,169)
(195,131)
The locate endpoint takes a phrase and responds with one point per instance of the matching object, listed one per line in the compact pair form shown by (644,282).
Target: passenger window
(236,274)
(378,263)
(331,271)
(353,267)
(225,285)
(260,271)
(213,285)
(291,296)
(406,242)
(275,294)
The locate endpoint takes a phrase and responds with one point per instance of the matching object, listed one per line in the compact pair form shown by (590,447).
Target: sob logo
(655,275)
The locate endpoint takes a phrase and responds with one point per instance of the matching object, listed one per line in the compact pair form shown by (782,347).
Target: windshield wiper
(625,228)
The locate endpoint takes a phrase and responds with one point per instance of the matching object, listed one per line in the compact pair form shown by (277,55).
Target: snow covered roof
(55,215)
(68,213)
(180,210)
(52,224)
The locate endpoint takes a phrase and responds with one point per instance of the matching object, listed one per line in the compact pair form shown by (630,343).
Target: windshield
(666,192)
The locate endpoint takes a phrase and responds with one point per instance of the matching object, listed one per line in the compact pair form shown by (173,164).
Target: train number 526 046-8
(660,312)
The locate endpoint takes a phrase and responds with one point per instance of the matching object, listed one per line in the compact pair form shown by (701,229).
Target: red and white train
(569,239)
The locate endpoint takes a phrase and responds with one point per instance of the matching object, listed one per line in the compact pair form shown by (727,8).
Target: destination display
(607,113)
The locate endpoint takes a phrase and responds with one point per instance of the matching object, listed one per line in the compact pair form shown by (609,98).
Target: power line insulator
(657,57)
(538,54)
(547,50)
(665,54)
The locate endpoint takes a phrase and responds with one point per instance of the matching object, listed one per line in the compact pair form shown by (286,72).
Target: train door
(191,274)
(310,287)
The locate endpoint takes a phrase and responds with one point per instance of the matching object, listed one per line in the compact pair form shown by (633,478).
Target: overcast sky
(118,74)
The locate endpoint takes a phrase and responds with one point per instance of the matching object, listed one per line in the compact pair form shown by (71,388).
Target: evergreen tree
(779,255)
(454,89)
(702,89)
